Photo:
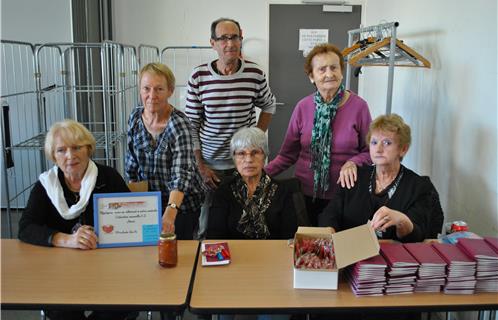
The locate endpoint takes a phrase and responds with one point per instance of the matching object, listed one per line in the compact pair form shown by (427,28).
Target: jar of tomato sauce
(168,250)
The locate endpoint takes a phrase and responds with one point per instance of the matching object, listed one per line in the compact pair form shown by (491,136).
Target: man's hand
(209,177)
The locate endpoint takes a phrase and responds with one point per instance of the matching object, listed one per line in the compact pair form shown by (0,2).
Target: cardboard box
(350,246)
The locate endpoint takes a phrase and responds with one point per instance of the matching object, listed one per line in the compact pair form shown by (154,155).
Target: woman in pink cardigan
(326,137)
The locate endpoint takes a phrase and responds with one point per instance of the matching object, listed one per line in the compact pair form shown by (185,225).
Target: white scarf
(52,185)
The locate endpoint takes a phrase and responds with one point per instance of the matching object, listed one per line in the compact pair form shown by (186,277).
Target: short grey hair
(252,137)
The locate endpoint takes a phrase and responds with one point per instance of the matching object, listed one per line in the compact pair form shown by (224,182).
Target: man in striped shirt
(222,97)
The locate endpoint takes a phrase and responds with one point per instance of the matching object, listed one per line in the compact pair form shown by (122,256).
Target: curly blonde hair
(392,123)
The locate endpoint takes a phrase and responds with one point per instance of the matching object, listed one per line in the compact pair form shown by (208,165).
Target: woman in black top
(59,212)
(396,200)
(251,205)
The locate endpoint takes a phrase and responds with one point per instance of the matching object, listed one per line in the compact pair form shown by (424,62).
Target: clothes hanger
(378,54)
(358,46)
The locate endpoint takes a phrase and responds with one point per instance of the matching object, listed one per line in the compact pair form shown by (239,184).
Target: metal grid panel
(95,84)
(182,60)
(147,54)
(18,93)
(20,168)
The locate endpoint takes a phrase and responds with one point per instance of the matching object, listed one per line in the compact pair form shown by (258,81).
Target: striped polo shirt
(218,105)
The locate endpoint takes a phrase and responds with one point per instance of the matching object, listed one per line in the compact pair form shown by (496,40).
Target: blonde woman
(398,201)
(59,212)
(160,151)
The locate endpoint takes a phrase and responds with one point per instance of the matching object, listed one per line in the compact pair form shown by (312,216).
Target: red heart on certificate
(108,228)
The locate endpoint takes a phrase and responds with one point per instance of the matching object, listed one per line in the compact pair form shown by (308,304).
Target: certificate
(127,219)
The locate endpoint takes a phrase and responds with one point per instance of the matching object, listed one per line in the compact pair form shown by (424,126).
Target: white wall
(165,23)
(452,107)
(36,21)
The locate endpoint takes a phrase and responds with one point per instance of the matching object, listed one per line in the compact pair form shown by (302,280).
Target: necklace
(73,190)
(392,186)
(76,196)
(381,186)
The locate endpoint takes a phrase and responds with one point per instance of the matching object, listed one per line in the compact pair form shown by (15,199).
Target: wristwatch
(173,205)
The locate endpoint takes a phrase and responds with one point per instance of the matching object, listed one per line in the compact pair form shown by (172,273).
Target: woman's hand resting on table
(83,238)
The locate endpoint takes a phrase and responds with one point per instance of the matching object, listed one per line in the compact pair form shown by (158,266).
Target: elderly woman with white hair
(59,211)
(252,205)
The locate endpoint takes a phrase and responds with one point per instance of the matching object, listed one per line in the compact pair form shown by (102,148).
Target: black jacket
(353,207)
(226,211)
(40,219)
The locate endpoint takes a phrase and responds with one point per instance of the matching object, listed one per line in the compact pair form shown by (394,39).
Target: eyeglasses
(225,38)
(241,155)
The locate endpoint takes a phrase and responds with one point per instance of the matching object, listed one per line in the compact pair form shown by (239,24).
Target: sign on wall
(308,38)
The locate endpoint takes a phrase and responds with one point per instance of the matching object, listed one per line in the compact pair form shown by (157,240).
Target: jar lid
(167,236)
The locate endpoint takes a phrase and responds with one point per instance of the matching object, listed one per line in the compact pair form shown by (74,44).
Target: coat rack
(377,46)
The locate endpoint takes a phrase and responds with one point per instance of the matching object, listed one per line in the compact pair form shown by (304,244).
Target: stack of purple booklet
(368,277)
(483,252)
(402,268)
(460,274)
(431,274)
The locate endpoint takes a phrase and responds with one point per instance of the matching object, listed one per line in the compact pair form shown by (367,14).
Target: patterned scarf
(252,223)
(321,140)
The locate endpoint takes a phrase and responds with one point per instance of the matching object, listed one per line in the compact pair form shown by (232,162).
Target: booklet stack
(460,274)
(402,268)
(493,243)
(431,274)
(368,277)
(487,262)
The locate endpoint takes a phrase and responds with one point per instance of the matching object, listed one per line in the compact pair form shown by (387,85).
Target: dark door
(288,81)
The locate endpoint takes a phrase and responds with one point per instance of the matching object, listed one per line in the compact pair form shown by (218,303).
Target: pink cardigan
(350,127)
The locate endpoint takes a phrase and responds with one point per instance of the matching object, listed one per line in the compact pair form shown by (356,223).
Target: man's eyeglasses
(225,38)
(241,154)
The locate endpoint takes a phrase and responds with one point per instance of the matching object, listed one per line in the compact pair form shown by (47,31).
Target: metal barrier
(19,117)
(93,83)
(147,54)
(182,60)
